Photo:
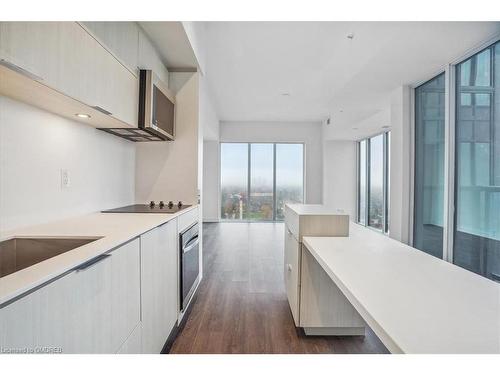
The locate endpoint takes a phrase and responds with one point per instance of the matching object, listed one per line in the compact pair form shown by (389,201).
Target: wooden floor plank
(241,304)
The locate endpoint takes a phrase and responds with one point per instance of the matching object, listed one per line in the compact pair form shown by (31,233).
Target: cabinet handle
(20,70)
(191,245)
(289,267)
(102,110)
(90,263)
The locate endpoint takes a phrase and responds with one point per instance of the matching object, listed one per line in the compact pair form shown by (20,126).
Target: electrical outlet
(65,180)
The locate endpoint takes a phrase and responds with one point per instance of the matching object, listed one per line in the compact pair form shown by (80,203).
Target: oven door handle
(191,244)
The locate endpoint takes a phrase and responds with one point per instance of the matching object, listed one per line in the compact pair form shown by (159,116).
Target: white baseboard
(334,331)
(210,220)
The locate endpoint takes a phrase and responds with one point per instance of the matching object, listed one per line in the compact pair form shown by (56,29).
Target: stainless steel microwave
(156,106)
(156,120)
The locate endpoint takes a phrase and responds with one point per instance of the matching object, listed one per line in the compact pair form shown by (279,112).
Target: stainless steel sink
(19,253)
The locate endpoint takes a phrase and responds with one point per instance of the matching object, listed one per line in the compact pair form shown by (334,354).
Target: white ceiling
(251,64)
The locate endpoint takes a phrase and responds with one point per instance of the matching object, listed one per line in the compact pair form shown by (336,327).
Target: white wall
(308,132)
(339,176)
(196,31)
(209,121)
(35,145)
(210,194)
(397,116)
(169,170)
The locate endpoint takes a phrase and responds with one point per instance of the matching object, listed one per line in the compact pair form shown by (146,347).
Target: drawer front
(187,219)
(292,273)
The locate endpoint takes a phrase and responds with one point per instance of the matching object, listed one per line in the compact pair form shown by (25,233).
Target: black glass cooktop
(148,208)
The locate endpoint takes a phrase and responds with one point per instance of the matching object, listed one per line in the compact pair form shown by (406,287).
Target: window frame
(450,152)
(385,179)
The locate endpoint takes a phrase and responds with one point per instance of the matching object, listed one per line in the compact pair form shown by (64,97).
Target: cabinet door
(120,38)
(125,291)
(159,276)
(292,273)
(69,59)
(70,315)
(33,46)
(133,344)
(91,310)
(95,77)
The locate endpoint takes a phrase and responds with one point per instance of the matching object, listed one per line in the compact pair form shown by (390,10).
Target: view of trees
(237,203)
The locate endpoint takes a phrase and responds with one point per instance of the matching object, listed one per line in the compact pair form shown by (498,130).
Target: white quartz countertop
(114,228)
(414,302)
(314,209)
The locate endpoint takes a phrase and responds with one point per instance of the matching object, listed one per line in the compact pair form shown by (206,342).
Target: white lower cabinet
(159,280)
(316,303)
(133,344)
(90,310)
(292,273)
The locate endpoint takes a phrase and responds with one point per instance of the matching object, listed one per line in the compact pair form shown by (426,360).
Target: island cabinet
(316,304)
(159,280)
(92,309)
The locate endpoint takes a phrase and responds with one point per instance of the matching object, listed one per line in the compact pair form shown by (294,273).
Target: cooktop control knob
(152,204)
(179,204)
(162,204)
(170,204)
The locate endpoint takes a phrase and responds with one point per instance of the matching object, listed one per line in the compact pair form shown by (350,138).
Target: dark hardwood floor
(241,305)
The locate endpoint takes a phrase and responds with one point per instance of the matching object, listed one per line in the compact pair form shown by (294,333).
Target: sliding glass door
(477,160)
(429,166)
(257,179)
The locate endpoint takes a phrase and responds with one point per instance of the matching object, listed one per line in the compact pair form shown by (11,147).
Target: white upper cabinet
(69,59)
(33,46)
(119,38)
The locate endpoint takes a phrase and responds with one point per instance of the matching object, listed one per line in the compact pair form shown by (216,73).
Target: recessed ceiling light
(285,94)
(355,128)
(82,115)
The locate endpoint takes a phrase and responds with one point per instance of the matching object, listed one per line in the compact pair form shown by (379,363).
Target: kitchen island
(414,302)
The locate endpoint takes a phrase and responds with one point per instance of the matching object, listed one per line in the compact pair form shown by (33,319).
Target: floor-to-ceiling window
(429,166)
(477,160)
(261,203)
(257,179)
(457,164)
(373,182)
(234,180)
